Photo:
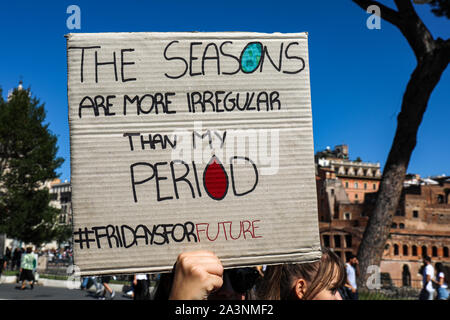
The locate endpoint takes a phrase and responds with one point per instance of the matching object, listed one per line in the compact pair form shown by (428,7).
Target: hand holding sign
(197,274)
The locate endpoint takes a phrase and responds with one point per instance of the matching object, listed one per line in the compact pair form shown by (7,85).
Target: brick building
(346,196)
(357,177)
(61,198)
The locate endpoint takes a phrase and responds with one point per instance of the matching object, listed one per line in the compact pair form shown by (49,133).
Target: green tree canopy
(27,161)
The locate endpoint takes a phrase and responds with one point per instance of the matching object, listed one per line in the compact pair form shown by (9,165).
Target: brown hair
(279,279)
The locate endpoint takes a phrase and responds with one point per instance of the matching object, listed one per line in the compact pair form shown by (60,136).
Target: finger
(215,283)
(197,258)
(198,253)
(203,264)
(214,267)
(189,256)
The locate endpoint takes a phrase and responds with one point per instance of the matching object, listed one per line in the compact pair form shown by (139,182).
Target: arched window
(326,240)
(394,226)
(434,251)
(405,250)
(395,249)
(445,252)
(414,251)
(424,251)
(348,241)
(337,241)
(402,226)
(406,276)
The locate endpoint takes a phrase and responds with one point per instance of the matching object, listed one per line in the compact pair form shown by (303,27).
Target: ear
(300,288)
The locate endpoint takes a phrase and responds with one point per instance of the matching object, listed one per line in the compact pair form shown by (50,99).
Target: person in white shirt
(427,292)
(442,291)
(141,287)
(352,268)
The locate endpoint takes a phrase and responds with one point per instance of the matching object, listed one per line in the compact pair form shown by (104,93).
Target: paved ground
(10,292)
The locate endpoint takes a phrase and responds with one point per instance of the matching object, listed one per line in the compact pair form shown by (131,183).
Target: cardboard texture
(189,141)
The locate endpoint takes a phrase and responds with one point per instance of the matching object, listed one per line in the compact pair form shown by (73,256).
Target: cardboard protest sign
(189,141)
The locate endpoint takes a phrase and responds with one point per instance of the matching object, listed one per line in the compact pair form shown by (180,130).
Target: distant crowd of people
(24,261)
(61,255)
(200,275)
(11,259)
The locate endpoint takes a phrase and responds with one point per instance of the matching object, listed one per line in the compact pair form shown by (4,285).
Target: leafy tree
(441,7)
(27,161)
(433,56)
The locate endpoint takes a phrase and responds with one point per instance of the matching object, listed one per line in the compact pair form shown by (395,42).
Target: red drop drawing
(215,179)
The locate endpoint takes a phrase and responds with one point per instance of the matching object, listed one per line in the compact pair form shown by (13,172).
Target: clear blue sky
(358,75)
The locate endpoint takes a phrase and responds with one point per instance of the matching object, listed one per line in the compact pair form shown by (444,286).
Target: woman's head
(318,280)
